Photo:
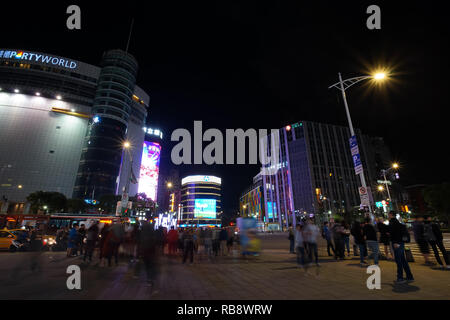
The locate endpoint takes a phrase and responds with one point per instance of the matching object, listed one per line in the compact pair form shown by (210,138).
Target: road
(272,275)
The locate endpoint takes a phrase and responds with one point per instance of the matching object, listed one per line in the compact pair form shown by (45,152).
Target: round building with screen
(200,201)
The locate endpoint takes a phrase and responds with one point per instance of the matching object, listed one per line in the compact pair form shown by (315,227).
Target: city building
(200,201)
(63,124)
(315,175)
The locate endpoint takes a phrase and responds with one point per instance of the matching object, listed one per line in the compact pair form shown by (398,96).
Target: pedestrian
(149,250)
(419,237)
(112,243)
(72,241)
(311,233)
(338,237)
(223,237)
(188,245)
(103,235)
(291,238)
(370,235)
(216,241)
(91,239)
(172,239)
(299,246)
(397,232)
(384,238)
(358,236)
(230,240)
(208,242)
(326,234)
(180,240)
(81,237)
(346,236)
(434,237)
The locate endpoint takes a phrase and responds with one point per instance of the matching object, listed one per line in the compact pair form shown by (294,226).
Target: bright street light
(379,76)
(395,165)
(126,144)
(169,185)
(380,188)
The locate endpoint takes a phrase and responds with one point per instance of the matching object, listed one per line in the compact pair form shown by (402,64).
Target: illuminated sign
(155,132)
(149,172)
(36,57)
(270,212)
(205,208)
(201,179)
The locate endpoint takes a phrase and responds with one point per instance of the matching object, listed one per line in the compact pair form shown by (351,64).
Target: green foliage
(54,201)
(76,205)
(437,197)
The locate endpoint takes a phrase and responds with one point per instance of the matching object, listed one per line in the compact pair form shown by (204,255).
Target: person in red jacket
(172,239)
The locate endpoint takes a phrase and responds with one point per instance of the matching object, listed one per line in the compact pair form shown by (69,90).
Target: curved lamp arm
(349,82)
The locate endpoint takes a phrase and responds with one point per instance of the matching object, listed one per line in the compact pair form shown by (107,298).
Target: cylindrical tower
(102,153)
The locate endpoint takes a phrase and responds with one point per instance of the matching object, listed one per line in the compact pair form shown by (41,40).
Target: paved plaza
(272,275)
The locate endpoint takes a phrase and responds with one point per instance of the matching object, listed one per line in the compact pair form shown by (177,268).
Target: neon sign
(149,172)
(37,57)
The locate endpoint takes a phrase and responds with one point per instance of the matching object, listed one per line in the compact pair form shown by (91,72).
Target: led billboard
(148,175)
(205,208)
(270,212)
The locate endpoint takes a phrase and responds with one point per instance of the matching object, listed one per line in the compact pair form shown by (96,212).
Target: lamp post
(383,171)
(126,188)
(343,85)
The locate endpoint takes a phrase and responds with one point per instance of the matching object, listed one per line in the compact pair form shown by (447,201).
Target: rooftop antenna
(129,36)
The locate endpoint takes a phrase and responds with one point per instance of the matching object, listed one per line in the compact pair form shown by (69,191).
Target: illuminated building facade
(149,170)
(60,117)
(315,174)
(200,201)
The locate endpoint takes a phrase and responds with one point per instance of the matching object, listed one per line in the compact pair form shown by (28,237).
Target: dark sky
(265,65)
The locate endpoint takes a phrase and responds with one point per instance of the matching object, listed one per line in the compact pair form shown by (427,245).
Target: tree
(76,205)
(108,202)
(53,201)
(437,197)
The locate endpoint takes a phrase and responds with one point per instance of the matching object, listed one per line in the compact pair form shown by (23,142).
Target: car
(12,240)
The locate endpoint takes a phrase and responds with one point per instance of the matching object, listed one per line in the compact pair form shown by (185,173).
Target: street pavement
(272,275)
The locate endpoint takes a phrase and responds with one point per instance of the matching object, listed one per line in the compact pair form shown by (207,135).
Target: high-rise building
(315,173)
(60,117)
(201,198)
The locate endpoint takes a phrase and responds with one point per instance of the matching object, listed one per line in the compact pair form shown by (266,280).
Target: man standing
(172,238)
(81,236)
(384,238)
(291,238)
(326,234)
(370,235)
(223,241)
(397,232)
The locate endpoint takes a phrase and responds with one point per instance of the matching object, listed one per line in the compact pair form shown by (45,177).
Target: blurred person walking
(216,241)
(208,242)
(299,246)
(346,237)
(434,237)
(358,236)
(311,233)
(419,237)
(149,250)
(230,240)
(384,238)
(223,237)
(81,237)
(338,237)
(370,235)
(91,239)
(188,244)
(72,241)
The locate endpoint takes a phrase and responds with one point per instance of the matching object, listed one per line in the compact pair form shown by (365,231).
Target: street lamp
(169,185)
(343,85)
(127,146)
(394,166)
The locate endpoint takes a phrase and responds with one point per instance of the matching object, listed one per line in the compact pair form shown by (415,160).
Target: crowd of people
(368,237)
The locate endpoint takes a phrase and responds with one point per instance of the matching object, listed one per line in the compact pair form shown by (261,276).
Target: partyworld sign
(38,57)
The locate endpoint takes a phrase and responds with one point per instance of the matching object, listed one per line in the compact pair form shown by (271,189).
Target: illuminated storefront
(149,172)
(200,201)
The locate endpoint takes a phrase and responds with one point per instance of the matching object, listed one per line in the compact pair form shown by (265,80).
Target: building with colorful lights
(315,175)
(201,198)
(63,123)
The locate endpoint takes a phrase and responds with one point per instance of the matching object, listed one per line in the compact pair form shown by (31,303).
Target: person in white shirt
(311,233)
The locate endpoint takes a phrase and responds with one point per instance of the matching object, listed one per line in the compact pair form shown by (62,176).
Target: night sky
(265,65)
